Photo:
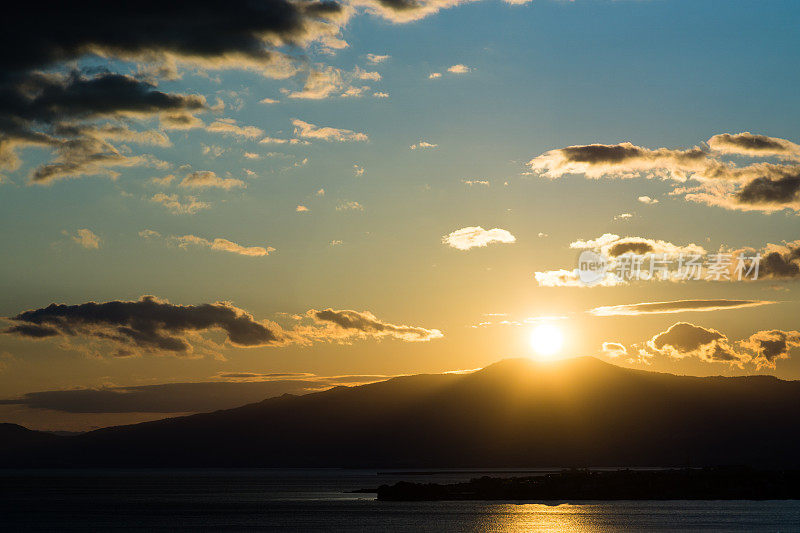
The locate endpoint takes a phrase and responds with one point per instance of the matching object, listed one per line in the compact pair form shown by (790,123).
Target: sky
(259,198)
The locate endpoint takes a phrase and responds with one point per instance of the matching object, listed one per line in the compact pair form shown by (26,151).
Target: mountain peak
(531,364)
(528,368)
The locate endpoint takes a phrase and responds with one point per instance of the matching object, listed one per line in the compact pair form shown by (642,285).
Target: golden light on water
(546,340)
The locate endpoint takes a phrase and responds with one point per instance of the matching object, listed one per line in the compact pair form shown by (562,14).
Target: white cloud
(613,246)
(476,236)
(87,239)
(423,145)
(459,69)
(362,74)
(647,200)
(614,349)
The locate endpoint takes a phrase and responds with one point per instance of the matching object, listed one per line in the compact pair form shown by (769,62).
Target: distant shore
(720,483)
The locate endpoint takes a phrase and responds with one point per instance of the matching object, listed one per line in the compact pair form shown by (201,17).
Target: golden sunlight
(546,340)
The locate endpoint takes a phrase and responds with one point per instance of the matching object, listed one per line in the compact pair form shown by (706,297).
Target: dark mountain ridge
(514,413)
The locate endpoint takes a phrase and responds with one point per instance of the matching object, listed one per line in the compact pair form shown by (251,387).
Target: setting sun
(546,340)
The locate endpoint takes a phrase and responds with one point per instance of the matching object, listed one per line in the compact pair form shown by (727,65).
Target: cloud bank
(154,326)
(757,186)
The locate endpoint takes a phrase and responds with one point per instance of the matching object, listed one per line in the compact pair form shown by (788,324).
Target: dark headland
(575,485)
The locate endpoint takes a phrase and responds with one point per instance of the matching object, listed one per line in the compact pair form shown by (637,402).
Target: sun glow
(546,340)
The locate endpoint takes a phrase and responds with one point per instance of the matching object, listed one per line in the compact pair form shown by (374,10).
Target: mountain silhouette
(515,413)
(14,436)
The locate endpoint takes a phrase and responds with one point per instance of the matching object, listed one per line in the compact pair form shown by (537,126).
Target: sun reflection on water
(539,517)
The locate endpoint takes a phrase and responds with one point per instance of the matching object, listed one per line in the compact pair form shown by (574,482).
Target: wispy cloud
(307,130)
(423,145)
(223,245)
(675,306)
(614,349)
(205,179)
(346,324)
(472,182)
(349,205)
(377,58)
(228,126)
(189,205)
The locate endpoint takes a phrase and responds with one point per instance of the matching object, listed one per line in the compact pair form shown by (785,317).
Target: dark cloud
(771,345)
(785,190)
(37,98)
(148,324)
(749,144)
(51,98)
(781,261)
(762,348)
(636,247)
(613,246)
(153,325)
(399,5)
(675,306)
(42,110)
(44,34)
(204,396)
(683,339)
(163,398)
(32,331)
(622,160)
(686,337)
(602,153)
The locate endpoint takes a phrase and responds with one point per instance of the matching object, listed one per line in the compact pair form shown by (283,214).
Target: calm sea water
(319,500)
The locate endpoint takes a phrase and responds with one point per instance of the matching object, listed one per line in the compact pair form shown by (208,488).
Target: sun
(546,340)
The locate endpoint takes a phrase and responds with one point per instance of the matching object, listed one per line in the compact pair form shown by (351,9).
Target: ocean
(321,500)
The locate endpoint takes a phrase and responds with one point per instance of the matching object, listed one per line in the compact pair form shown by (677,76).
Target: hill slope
(578,412)
(13,436)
